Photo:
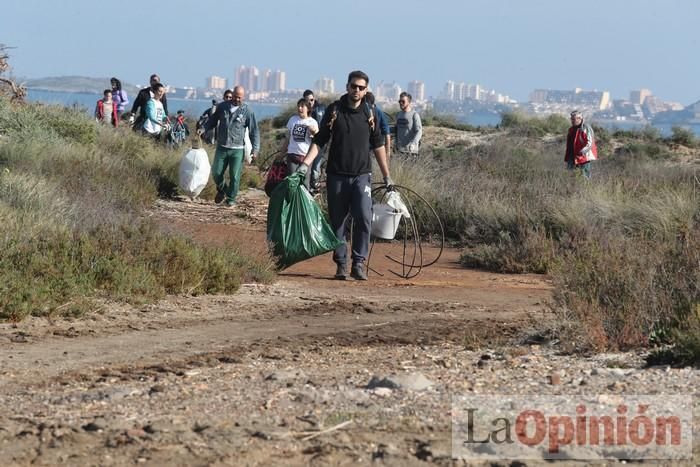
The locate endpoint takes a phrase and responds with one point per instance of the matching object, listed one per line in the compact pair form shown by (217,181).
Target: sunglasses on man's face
(357,87)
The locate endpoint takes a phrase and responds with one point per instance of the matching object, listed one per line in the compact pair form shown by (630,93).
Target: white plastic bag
(393,199)
(194,172)
(248,148)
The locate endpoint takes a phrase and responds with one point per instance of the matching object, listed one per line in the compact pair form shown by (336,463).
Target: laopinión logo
(497,427)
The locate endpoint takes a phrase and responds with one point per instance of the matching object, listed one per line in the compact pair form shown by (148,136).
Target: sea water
(193,107)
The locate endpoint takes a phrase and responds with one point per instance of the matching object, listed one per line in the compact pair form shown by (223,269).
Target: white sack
(194,172)
(394,200)
(248,148)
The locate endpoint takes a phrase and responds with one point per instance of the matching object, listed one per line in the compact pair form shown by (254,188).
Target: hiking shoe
(230,204)
(358,272)
(341,273)
(220,196)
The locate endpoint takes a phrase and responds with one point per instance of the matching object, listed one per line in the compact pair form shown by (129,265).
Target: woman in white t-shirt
(300,131)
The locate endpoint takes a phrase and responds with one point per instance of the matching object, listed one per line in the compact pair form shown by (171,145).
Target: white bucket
(385,221)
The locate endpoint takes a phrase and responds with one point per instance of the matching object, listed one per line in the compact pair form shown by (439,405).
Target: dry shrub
(529,250)
(622,248)
(623,293)
(72,196)
(134,263)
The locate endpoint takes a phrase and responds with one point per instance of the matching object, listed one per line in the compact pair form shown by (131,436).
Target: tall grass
(72,198)
(614,245)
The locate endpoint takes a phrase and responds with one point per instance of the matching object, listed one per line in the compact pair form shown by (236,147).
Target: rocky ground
(307,371)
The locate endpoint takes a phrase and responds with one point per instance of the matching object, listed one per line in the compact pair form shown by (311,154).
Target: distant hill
(689,115)
(75,84)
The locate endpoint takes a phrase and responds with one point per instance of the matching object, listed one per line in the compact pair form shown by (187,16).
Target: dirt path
(206,380)
(444,302)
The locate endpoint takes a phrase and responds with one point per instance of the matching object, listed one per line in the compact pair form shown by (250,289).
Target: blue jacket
(231,126)
(381,121)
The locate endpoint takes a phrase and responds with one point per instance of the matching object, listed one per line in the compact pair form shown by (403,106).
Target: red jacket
(580,145)
(100,112)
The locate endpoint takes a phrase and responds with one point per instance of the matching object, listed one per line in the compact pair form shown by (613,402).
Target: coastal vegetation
(77,84)
(73,196)
(622,250)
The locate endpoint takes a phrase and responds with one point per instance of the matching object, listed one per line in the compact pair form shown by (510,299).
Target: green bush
(645,149)
(647,133)
(533,126)
(683,136)
(429,118)
(613,245)
(530,250)
(131,263)
(72,201)
(685,348)
(281,119)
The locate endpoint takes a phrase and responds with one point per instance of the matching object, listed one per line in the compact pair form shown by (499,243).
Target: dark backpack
(370,111)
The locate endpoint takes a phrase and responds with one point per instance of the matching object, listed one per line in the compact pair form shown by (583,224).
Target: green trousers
(233,159)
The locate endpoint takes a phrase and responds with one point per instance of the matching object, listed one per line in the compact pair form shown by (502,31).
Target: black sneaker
(341,273)
(220,196)
(358,272)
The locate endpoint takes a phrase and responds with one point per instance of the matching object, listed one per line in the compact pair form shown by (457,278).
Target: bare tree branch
(8,88)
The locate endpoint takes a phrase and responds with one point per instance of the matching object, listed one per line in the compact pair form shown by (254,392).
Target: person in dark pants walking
(350,125)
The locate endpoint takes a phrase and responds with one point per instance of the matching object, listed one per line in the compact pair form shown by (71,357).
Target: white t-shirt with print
(300,134)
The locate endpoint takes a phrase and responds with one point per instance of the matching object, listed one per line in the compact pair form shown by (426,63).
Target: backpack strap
(369,110)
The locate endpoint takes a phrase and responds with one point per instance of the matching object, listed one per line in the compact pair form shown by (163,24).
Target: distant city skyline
(511,47)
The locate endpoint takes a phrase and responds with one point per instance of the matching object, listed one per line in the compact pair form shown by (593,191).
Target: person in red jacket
(106,109)
(580,145)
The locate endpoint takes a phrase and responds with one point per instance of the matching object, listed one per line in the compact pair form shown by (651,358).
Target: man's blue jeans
(350,198)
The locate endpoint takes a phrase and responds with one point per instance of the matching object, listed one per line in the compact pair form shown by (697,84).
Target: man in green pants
(231,119)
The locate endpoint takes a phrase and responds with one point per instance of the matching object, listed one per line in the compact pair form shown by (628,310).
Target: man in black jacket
(142,99)
(351,123)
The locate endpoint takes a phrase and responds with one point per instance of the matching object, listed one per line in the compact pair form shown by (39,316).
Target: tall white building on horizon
(247,76)
(417,90)
(324,85)
(276,81)
(215,82)
(639,96)
(387,92)
(255,81)
(448,92)
(474,91)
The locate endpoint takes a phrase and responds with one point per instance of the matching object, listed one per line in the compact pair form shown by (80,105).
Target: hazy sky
(512,46)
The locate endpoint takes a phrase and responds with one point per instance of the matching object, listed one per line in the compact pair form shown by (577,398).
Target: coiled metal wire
(412,232)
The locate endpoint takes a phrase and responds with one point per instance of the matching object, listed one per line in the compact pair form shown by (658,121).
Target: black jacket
(351,133)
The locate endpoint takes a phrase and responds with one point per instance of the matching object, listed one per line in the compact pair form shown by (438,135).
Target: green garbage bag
(295,224)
